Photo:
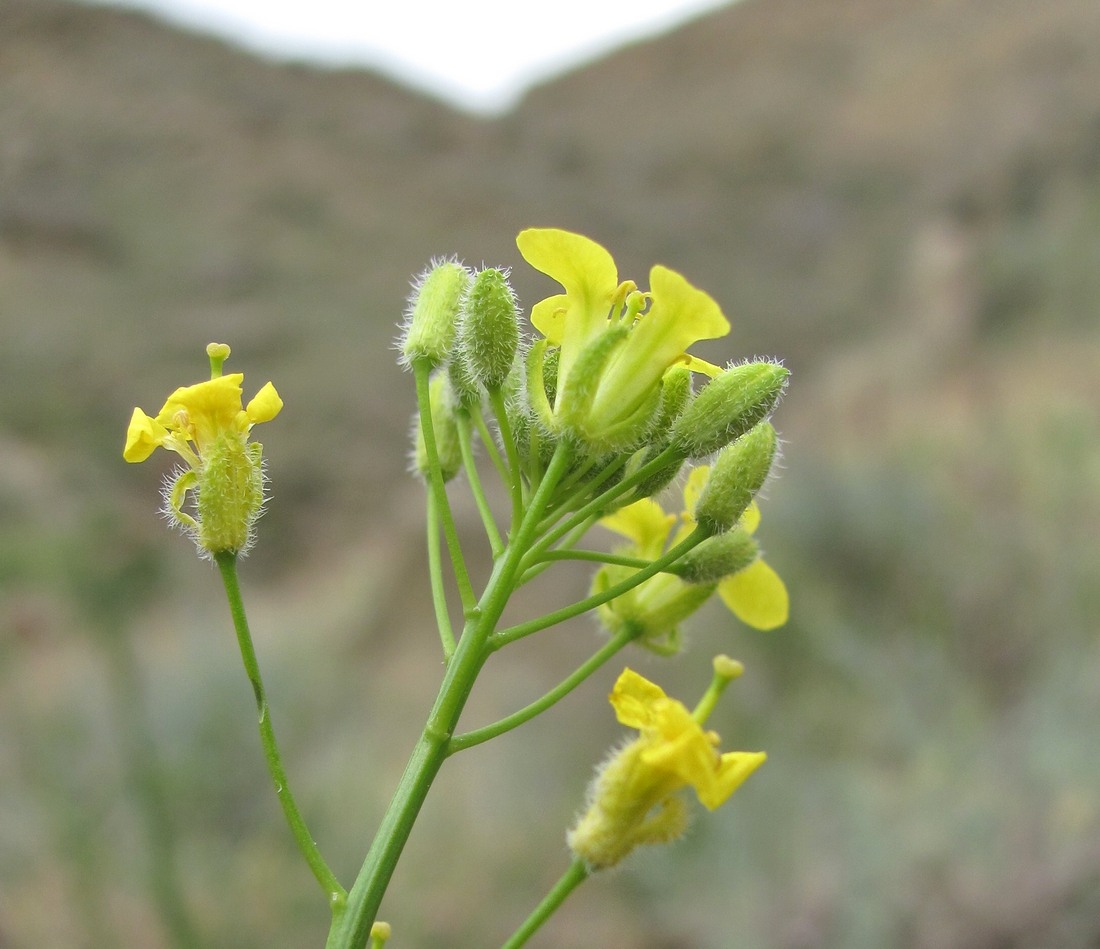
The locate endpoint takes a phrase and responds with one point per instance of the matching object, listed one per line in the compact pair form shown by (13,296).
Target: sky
(480,55)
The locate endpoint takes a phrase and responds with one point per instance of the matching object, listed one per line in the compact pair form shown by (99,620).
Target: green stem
(352,922)
(465,442)
(532,568)
(598,504)
(570,880)
(334,892)
(512,633)
(598,556)
(421,373)
(490,444)
(515,482)
(478,735)
(435,572)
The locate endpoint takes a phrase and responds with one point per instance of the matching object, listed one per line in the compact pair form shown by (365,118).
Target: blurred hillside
(901,200)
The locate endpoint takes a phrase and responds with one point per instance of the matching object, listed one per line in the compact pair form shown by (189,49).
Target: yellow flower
(651,341)
(634,800)
(755,594)
(207,425)
(194,417)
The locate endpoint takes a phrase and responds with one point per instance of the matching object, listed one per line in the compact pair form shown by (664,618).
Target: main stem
(352,922)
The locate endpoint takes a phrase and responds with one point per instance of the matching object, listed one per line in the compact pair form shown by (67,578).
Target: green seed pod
(488,330)
(717,557)
(729,406)
(229,494)
(429,329)
(445,427)
(736,475)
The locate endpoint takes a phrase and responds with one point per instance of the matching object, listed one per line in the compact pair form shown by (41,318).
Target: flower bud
(542,383)
(729,406)
(717,557)
(380,932)
(429,329)
(676,394)
(464,388)
(611,432)
(488,334)
(736,475)
(445,428)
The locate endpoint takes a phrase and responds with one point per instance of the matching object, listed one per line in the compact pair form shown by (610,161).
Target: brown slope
(799,159)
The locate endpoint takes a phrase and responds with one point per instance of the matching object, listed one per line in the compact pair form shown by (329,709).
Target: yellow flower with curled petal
(652,610)
(194,417)
(207,425)
(634,798)
(620,349)
(755,593)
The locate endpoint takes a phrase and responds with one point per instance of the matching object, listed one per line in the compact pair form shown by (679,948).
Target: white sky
(478,54)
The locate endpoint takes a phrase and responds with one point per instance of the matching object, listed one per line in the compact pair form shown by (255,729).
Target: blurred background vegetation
(901,200)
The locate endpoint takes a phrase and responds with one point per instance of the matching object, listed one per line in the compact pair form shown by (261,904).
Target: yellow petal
(143,437)
(211,409)
(750,520)
(265,405)
(633,699)
(587,272)
(680,315)
(734,768)
(696,481)
(575,261)
(548,317)
(644,522)
(756,596)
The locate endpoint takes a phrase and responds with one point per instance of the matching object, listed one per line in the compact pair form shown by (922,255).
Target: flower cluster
(610,377)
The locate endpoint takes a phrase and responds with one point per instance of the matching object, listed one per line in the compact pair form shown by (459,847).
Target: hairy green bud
(464,388)
(729,406)
(542,380)
(429,329)
(488,330)
(736,475)
(229,495)
(598,435)
(717,557)
(676,394)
